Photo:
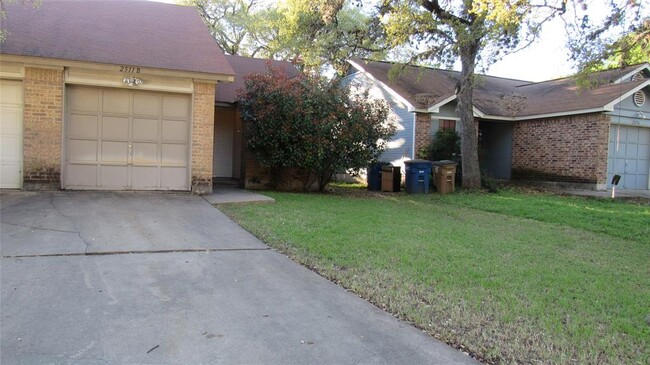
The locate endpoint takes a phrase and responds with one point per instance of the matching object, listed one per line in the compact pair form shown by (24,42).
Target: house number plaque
(130,69)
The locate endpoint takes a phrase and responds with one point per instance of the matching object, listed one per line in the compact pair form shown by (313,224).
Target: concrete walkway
(225,194)
(620,194)
(136,278)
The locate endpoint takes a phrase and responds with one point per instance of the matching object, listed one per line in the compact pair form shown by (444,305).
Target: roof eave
(645,66)
(610,106)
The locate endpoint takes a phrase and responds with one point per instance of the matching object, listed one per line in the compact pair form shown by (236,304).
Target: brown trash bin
(391,178)
(444,176)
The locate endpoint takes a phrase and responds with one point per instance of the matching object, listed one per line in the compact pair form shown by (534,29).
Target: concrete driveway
(154,278)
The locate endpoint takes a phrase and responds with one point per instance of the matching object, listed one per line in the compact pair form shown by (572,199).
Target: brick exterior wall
(202,137)
(569,149)
(422,132)
(42,128)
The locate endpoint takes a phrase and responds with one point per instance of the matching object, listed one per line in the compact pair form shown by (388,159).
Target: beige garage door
(126,140)
(11,134)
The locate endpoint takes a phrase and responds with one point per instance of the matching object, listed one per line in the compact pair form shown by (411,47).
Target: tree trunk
(465,110)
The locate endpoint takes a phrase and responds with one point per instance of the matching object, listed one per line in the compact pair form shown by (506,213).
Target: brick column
(202,137)
(422,131)
(42,128)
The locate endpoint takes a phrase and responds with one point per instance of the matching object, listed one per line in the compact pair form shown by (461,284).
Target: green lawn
(510,277)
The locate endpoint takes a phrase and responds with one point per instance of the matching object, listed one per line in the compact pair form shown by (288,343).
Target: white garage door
(126,140)
(630,158)
(11,134)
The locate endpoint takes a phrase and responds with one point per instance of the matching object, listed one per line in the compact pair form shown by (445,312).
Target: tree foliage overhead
(317,33)
(620,39)
(312,125)
(233,23)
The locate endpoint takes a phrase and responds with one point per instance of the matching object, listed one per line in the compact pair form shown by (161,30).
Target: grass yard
(509,277)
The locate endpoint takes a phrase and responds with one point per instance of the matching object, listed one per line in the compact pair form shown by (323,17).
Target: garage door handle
(130,152)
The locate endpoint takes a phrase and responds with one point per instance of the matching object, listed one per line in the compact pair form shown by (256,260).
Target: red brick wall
(42,122)
(422,132)
(202,137)
(565,149)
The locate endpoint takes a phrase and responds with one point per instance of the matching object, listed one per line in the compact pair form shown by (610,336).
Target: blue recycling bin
(418,173)
(374,175)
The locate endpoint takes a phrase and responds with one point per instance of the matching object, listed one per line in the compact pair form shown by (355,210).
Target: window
(444,124)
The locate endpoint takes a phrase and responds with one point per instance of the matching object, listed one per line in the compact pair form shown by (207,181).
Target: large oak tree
(479,32)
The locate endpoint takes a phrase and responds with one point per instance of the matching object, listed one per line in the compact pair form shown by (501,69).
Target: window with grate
(447,124)
(638,76)
(639,98)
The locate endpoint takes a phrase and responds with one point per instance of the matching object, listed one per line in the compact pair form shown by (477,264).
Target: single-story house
(231,162)
(107,95)
(552,131)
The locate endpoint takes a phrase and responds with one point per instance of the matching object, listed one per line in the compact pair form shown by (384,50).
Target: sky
(545,59)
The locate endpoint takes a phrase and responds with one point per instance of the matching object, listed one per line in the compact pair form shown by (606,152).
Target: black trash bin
(374,175)
(417,176)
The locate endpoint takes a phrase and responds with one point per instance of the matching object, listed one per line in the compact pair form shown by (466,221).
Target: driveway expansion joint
(139,252)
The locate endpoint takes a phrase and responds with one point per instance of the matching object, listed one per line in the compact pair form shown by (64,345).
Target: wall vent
(639,98)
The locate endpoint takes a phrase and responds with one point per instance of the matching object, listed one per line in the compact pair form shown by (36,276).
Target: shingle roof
(135,33)
(425,87)
(244,66)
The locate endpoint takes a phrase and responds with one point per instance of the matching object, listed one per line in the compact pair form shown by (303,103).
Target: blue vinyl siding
(400,147)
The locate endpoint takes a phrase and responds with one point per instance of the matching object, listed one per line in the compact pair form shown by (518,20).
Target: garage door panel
(644,136)
(81,175)
(631,150)
(174,131)
(175,106)
(144,178)
(174,154)
(643,151)
(145,153)
(114,177)
(145,129)
(632,160)
(174,177)
(83,126)
(12,117)
(84,100)
(146,104)
(115,128)
(115,152)
(123,146)
(11,134)
(117,101)
(81,150)
(10,150)
(9,179)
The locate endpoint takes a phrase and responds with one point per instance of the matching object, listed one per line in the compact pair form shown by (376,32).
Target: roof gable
(245,66)
(499,98)
(135,33)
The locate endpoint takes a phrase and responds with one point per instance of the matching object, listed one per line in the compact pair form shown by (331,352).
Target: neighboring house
(552,131)
(230,161)
(108,95)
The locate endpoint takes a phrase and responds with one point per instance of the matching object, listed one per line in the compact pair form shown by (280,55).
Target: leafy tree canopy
(319,33)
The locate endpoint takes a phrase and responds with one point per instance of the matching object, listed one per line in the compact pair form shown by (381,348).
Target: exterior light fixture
(132,81)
